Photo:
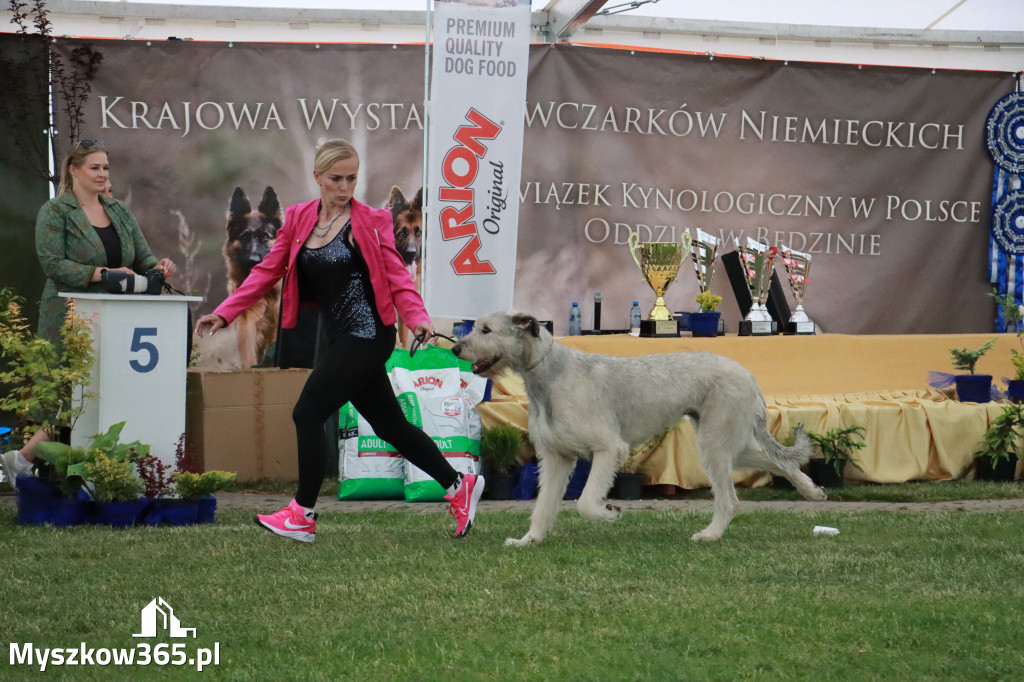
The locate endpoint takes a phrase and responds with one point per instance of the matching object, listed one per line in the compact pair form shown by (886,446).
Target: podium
(140,344)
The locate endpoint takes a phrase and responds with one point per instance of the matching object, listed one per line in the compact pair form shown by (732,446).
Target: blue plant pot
(1015,390)
(172,511)
(526,486)
(974,388)
(705,324)
(40,501)
(206,509)
(118,514)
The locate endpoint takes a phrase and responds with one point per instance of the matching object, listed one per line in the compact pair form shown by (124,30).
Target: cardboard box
(241,420)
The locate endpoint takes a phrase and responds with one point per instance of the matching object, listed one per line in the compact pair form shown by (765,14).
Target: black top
(336,278)
(111,244)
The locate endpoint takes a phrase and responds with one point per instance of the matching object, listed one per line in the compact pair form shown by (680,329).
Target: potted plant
(1013,318)
(974,388)
(837,447)
(629,481)
(68,467)
(1000,445)
(182,496)
(705,322)
(200,489)
(115,490)
(499,449)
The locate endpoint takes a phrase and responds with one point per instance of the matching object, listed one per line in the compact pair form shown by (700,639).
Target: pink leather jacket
(373,231)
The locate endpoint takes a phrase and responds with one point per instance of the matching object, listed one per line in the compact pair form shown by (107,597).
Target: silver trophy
(704,250)
(758,262)
(798,265)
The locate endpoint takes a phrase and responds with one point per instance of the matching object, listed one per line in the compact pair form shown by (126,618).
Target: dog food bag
(439,394)
(370,469)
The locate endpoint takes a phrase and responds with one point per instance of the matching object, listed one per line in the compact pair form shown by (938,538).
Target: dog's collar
(537,364)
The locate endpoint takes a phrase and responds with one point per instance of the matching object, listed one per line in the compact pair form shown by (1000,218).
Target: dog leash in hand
(418,344)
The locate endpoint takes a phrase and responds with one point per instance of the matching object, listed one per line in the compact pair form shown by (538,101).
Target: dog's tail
(799,452)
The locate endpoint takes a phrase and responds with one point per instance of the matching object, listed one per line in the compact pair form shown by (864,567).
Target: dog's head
(407,217)
(509,340)
(250,234)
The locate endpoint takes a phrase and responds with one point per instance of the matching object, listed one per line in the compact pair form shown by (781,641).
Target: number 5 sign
(140,346)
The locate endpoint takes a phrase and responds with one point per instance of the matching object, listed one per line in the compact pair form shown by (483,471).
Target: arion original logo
(158,614)
(428,382)
(459,169)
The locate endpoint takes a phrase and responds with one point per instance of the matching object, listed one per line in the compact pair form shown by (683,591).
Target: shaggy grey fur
(601,407)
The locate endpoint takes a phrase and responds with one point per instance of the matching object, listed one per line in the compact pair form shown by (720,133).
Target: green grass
(389,596)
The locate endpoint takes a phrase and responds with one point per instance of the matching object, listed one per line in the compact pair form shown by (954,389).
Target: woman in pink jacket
(340,254)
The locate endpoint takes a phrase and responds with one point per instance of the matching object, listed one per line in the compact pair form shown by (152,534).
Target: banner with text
(877,172)
(474,162)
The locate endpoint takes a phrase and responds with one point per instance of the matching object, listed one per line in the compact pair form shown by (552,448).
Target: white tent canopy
(972,34)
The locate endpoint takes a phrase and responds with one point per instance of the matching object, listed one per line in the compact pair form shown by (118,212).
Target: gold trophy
(758,261)
(798,264)
(659,263)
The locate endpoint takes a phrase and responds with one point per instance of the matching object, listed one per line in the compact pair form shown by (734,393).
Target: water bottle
(575,326)
(634,319)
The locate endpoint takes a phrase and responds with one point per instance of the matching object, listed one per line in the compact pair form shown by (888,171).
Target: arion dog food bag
(438,393)
(370,469)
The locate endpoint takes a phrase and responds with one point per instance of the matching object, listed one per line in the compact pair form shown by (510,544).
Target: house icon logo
(159,614)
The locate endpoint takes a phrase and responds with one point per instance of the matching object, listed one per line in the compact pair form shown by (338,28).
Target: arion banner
(477,106)
(880,173)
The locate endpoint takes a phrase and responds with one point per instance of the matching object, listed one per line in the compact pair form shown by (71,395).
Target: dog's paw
(819,494)
(525,541)
(613,512)
(705,536)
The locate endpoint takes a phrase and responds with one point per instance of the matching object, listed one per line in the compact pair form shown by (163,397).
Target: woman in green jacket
(83,231)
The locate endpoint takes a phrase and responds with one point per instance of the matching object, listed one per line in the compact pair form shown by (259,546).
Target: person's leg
(377,404)
(342,369)
(16,462)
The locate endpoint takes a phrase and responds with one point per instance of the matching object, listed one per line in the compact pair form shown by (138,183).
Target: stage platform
(912,432)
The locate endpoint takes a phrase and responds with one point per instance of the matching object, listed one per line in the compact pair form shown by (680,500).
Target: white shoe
(14,463)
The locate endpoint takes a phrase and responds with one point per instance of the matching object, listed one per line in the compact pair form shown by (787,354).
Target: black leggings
(352,369)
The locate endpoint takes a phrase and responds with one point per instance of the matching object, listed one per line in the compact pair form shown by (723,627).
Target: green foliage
(965,358)
(114,479)
(190,485)
(499,446)
(708,301)
(1002,439)
(1013,316)
(42,382)
(71,464)
(837,446)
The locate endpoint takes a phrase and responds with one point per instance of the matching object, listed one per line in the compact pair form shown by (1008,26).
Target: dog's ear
(417,203)
(238,213)
(396,202)
(526,323)
(270,208)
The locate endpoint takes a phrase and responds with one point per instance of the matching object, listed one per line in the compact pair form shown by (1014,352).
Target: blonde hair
(332,151)
(76,158)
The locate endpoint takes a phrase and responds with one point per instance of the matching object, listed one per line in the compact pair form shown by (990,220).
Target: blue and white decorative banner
(481,55)
(1004,137)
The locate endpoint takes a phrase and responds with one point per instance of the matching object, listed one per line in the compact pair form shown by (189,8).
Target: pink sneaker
(290,522)
(462,503)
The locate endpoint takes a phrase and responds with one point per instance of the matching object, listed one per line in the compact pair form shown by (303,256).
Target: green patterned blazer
(70,250)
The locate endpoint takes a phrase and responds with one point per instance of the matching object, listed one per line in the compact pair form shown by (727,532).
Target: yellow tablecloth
(912,432)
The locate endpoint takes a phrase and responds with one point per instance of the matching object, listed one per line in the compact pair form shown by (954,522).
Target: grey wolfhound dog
(601,407)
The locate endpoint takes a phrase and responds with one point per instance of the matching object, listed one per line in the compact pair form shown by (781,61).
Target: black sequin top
(336,278)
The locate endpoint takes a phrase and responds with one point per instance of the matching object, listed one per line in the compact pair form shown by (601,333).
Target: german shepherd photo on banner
(408,221)
(250,235)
